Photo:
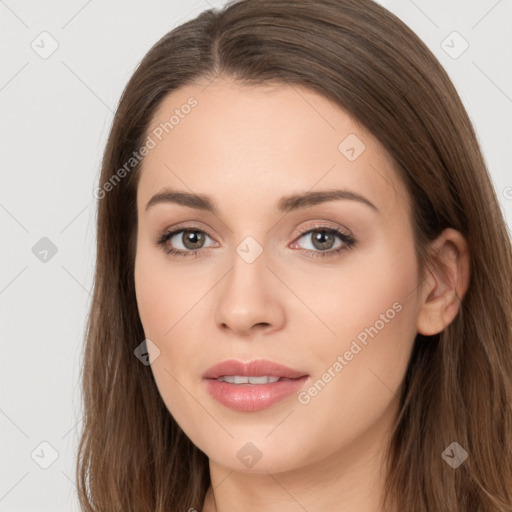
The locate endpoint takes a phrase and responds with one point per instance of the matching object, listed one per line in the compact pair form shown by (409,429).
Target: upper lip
(256,368)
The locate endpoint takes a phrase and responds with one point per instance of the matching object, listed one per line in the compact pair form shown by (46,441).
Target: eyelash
(348,241)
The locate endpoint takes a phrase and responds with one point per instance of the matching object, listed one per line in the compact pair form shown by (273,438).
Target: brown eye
(184,242)
(322,239)
(192,239)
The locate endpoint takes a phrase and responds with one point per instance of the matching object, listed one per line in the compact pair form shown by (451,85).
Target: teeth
(238,379)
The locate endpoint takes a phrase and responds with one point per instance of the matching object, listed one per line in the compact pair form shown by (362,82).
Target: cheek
(163,308)
(163,295)
(359,381)
(358,378)
(167,301)
(148,291)
(371,307)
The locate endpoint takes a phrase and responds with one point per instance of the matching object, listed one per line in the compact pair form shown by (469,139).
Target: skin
(246,147)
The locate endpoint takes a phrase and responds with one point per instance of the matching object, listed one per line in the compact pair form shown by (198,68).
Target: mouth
(257,368)
(252,386)
(240,379)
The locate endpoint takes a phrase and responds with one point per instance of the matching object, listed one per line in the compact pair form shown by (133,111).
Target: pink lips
(252,397)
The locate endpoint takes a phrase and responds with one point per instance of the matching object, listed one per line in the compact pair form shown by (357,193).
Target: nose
(250,299)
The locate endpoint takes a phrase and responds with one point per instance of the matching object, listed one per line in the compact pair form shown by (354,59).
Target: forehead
(261,141)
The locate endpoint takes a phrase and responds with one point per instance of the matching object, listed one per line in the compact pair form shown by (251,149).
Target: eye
(191,239)
(323,240)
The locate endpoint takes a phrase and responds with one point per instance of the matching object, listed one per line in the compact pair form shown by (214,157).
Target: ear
(445,284)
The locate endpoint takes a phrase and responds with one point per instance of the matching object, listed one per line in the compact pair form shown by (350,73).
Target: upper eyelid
(175,230)
(322,225)
(316,225)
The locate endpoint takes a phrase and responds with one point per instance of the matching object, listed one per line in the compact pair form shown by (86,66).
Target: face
(276,270)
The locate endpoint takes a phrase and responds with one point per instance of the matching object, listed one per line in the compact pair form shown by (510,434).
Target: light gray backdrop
(64,65)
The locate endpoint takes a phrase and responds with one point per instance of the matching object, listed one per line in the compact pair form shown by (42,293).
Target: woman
(303,287)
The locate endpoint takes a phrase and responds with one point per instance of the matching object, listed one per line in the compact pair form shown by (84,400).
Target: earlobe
(445,284)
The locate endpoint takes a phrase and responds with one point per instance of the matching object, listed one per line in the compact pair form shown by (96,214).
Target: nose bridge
(247,278)
(248,297)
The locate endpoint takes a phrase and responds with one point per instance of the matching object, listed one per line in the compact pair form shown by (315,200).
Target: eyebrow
(285,204)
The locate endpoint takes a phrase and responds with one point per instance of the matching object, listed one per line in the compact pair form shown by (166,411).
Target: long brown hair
(458,386)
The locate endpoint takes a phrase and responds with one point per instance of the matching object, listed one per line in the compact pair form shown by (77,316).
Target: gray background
(56,111)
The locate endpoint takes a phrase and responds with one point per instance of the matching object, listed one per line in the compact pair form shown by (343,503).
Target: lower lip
(252,397)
